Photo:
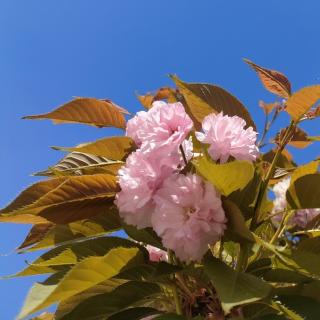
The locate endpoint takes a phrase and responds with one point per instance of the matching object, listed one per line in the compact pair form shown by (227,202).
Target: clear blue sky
(53,50)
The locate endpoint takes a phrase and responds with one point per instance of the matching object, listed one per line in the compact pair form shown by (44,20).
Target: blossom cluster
(300,217)
(182,208)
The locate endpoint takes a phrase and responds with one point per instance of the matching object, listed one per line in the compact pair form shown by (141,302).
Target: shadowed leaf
(235,288)
(77,163)
(203,99)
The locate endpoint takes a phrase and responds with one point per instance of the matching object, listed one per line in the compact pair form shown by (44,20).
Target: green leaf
(104,223)
(63,200)
(146,235)
(95,112)
(304,192)
(237,229)
(234,288)
(73,253)
(203,99)
(169,316)
(86,274)
(68,305)
(114,148)
(137,313)
(106,304)
(76,163)
(227,177)
(302,101)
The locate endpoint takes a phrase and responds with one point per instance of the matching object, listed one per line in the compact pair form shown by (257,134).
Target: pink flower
(156,254)
(188,215)
(165,125)
(227,137)
(139,179)
(301,217)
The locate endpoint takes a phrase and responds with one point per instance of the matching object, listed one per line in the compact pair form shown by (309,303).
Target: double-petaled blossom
(188,215)
(300,217)
(158,133)
(139,179)
(165,125)
(228,137)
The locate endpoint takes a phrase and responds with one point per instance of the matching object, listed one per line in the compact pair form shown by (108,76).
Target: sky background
(53,50)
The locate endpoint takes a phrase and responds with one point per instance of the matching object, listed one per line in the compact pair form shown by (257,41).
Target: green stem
(175,293)
(242,258)
(269,175)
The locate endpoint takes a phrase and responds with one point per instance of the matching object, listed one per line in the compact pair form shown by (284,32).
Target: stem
(183,155)
(281,226)
(176,297)
(242,258)
(269,174)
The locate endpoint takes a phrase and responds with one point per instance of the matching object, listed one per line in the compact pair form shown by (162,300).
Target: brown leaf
(203,99)
(36,234)
(78,163)
(95,112)
(302,101)
(113,148)
(165,93)
(63,200)
(274,81)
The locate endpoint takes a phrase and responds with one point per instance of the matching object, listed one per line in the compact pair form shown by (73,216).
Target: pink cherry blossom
(165,125)
(139,179)
(156,254)
(301,217)
(227,137)
(188,215)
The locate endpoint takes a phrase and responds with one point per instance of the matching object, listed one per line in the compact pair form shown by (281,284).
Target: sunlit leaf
(86,274)
(274,81)
(302,101)
(113,148)
(203,99)
(227,177)
(99,113)
(73,253)
(165,93)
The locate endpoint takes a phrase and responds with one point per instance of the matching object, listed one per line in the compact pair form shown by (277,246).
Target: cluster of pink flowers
(301,217)
(185,211)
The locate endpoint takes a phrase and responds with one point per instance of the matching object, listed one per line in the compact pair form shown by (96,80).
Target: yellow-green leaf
(95,112)
(302,101)
(203,99)
(113,148)
(86,274)
(104,223)
(227,177)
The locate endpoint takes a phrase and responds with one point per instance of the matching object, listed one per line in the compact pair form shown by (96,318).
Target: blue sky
(53,50)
